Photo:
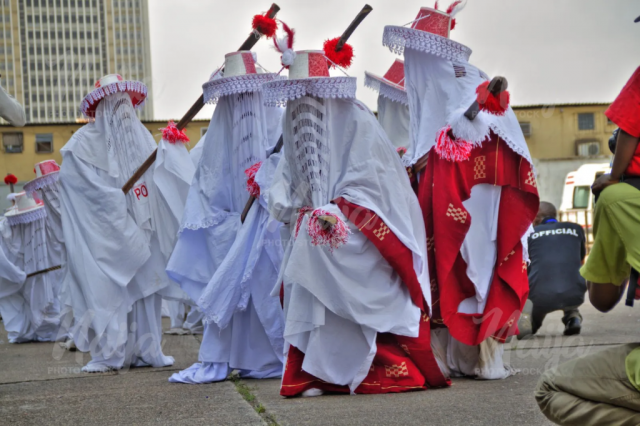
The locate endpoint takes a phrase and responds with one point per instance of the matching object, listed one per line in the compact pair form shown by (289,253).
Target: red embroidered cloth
(401,363)
(444,185)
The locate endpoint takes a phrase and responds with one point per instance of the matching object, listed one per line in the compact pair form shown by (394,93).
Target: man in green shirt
(604,388)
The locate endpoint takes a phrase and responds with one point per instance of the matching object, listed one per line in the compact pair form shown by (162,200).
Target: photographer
(604,388)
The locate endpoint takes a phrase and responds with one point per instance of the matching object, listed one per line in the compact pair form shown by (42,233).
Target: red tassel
(450,148)
(303,210)
(264,25)
(342,58)
(401,151)
(10,179)
(252,185)
(488,102)
(335,236)
(172,135)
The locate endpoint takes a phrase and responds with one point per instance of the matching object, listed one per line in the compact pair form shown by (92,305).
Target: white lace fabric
(399,38)
(101,92)
(389,91)
(278,93)
(27,217)
(41,182)
(215,89)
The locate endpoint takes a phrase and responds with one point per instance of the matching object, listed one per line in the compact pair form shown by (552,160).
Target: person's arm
(583,248)
(625,149)
(605,296)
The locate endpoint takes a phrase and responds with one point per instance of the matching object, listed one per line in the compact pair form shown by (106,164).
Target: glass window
(586,121)
(44,143)
(12,142)
(581,196)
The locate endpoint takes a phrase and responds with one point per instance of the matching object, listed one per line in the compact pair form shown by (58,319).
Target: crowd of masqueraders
(379,255)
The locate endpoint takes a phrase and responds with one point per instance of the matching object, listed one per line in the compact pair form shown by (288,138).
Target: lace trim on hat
(101,92)
(225,86)
(514,147)
(399,38)
(41,182)
(390,92)
(27,217)
(277,93)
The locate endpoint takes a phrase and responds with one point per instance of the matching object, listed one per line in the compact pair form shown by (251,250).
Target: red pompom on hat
(172,134)
(342,58)
(488,102)
(265,25)
(10,179)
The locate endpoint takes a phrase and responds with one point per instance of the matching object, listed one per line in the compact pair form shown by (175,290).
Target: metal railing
(584,218)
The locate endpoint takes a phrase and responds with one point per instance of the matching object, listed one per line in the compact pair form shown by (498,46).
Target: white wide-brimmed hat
(241,75)
(391,86)
(108,85)
(428,33)
(26,210)
(309,75)
(47,173)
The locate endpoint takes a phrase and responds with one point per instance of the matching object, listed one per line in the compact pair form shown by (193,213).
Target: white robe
(336,303)
(226,267)
(116,276)
(29,306)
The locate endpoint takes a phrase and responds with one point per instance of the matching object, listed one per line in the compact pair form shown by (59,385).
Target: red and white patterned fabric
(309,75)
(444,185)
(401,363)
(240,74)
(108,85)
(391,85)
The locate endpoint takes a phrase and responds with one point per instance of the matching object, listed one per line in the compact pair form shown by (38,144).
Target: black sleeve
(583,242)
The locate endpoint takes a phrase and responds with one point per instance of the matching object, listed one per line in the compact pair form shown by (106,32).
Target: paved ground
(41,384)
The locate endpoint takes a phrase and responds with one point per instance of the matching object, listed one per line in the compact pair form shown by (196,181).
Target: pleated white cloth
(336,303)
(226,267)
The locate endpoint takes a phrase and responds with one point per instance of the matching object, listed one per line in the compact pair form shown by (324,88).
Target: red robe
(401,363)
(444,185)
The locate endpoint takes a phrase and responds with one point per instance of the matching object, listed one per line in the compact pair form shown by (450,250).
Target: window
(587,148)
(526,128)
(586,121)
(581,196)
(44,143)
(203,130)
(12,143)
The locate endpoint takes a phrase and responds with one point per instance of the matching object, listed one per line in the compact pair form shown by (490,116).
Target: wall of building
(22,164)
(554,129)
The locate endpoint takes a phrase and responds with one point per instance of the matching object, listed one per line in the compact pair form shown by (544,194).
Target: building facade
(41,142)
(53,51)
(563,137)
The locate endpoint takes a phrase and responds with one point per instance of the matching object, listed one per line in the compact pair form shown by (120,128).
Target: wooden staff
(366,10)
(193,111)
(44,271)
(496,87)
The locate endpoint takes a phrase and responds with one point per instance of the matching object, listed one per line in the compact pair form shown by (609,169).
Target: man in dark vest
(556,250)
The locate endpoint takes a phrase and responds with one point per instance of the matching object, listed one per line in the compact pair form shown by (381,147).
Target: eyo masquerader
(226,267)
(28,289)
(355,280)
(478,194)
(118,244)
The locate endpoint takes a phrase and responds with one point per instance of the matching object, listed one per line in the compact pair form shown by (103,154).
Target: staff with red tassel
(262,25)
(10,180)
(339,54)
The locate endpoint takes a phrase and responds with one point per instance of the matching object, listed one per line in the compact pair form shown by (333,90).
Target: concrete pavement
(42,384)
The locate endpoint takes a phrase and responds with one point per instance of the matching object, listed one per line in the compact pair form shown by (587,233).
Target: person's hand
(602,182)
